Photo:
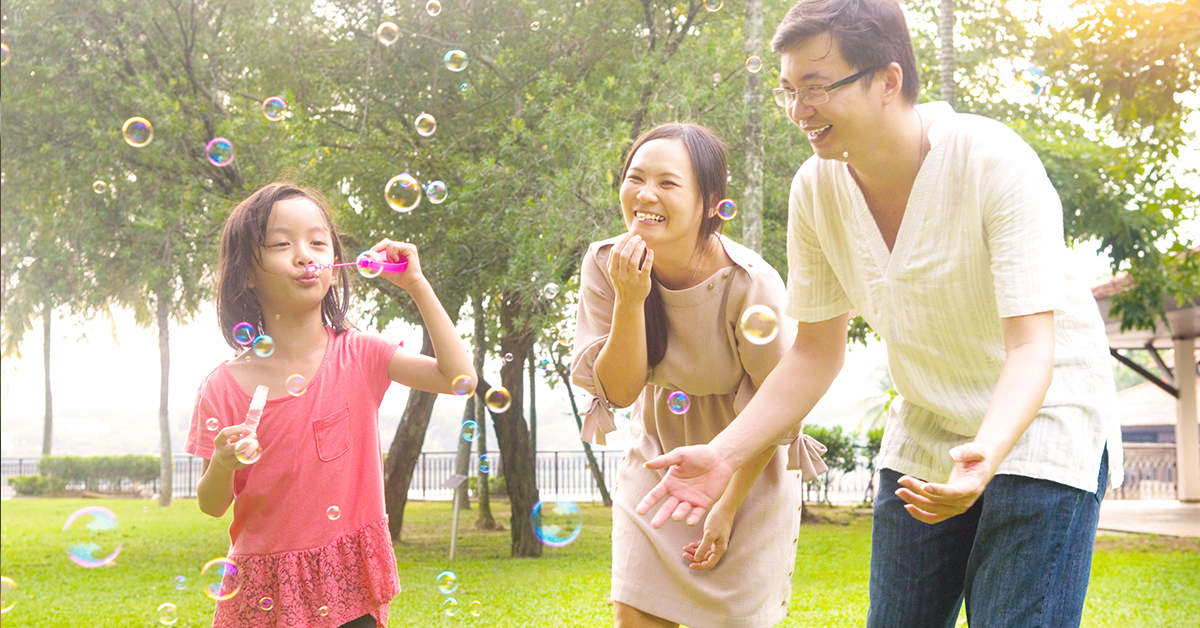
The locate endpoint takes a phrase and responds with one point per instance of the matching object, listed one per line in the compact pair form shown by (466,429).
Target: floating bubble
(265,603)
(508,357)
(138,131)
(180,582)
(464,86)
(92,537)
(716,77)
(450,607)
(244,334)
(247,450)
(727,209)
(219,579)
(167,614)
(219,152)
(713,5)
(754,64)
(334,513)
(534,26)
(485,464)
(550,290)
(759,324)
(363,269)
(436,191)
(402,193)
(476,609)
(447,582)
(469,431)
(497,399)
(273,108)
(463,386)
(556,523)
(295,384)
(8,587)
(678,402)
(99,187)
(387,33)
(433,8)
(212,424)
(425,125)
(5,55)
(323,611)
(564,337)
(264,346)
(455,60)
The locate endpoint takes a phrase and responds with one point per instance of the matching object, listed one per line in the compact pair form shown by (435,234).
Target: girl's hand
(391,251)
(224,447)
(629,266)
(710,549)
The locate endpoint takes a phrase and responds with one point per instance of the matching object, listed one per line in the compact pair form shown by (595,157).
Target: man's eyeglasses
(815,94)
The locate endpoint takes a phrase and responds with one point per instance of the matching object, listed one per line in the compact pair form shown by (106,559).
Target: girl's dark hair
(869,33)
(245,232)
(707,152)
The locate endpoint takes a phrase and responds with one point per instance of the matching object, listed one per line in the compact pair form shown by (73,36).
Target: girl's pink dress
(309,534)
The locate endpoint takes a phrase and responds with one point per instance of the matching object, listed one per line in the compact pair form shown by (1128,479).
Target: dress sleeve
(592,327)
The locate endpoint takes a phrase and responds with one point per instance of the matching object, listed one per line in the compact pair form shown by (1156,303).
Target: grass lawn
(1136,581)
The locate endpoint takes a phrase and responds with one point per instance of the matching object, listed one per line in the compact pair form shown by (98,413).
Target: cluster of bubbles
(403,192)
(262,344)
(759,324)
(556,523)
(447,584)
(678,402)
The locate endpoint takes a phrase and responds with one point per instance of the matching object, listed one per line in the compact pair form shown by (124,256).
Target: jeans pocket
(332,434)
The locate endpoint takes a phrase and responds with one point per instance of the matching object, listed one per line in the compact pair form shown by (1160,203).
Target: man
(945,234)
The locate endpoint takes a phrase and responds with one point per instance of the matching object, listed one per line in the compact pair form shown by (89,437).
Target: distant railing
(1149,472)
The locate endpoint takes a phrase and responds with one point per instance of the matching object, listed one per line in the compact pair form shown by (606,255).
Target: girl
(309,534)
(659,312)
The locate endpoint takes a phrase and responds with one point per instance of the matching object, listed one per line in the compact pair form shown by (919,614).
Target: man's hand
(934,503)
(696,479)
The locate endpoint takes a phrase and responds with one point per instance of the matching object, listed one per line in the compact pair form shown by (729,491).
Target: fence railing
(1149,472)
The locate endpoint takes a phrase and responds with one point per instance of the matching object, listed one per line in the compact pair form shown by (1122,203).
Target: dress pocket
(332,434)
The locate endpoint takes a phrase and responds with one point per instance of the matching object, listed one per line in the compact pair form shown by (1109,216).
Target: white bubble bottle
(247,449)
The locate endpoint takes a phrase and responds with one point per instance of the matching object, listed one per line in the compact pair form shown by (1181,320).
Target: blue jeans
(1021,557)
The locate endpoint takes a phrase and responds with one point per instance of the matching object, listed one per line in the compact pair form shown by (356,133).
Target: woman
(659,314)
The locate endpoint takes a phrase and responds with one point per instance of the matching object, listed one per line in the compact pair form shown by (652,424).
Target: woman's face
(660,196)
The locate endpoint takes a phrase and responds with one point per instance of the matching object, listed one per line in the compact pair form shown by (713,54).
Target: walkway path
(1150,516)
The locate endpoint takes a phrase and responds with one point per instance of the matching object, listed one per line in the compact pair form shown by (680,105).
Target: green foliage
(93,471)
(496,487)
(840,455)
(36,484)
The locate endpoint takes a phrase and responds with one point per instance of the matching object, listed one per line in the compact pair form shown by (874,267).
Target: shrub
(36,484)
(94,471)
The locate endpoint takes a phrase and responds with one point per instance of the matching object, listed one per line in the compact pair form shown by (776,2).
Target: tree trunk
(946,34)
(406,448)
(597,472)
(462,458)
(48,418)
(752,192)
(533,405)
(513,434)
(485,521)
(166,479)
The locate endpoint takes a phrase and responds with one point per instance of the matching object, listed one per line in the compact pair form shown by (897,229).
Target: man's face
(844,122)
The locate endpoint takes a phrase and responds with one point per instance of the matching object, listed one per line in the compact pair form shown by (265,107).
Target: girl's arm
(622,364)
(215,489)
(451,359)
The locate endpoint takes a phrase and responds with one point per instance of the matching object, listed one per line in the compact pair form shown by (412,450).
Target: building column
(1187,430)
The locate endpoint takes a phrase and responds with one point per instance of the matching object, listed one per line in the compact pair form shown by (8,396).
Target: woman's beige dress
(709,359)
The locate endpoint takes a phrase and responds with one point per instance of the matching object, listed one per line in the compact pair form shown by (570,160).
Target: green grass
(1136,581)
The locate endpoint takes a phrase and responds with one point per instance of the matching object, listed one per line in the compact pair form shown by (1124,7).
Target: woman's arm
(621,365)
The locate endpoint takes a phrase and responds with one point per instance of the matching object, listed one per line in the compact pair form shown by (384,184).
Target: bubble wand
(363,261)
(247,449)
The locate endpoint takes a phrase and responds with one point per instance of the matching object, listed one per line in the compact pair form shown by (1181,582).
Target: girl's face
(297,236)
(660,196)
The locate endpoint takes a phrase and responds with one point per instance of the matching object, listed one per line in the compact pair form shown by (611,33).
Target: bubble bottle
(247,449)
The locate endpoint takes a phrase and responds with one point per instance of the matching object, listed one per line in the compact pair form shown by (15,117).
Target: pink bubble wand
(363,262)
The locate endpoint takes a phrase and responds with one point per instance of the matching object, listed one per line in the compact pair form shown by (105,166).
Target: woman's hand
(629,266)
(225,447)
(392,251)
(717,529)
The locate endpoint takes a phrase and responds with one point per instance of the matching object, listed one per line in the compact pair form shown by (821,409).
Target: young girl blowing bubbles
(309,534)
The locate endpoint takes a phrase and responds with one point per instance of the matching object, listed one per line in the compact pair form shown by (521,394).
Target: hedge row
(92,471)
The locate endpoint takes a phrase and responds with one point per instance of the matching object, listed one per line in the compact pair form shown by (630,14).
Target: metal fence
(1149,472)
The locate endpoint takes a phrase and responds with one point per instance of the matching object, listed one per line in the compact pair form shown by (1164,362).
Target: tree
(840,455)
(870,452)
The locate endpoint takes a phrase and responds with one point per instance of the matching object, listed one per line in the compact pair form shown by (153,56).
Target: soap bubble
(485,464)
(759,324)
(550,291)
(180,582)
(463,386)
(219,579)
(212,424)
(436,191)
(266,603)
(497,399)
(476,608)
(716,77)
(167,614)
(138,131)
(334,513)
(247,450)
(99,187)
(556,523)
(508,357)
(455,60)
(469,430)
(273,108)
(323,611)
(450,607)
(264,346)
(425,125)
(365,270)
(447,582)
(402,193)
(92,537)
(433,8)
(219,152)
(243,333)
(713,5)
(678,402)
(727,209)
(387,33)
(534,26)
(464,86)
(754,64)
(8,588)
(295,384)
(5,54)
